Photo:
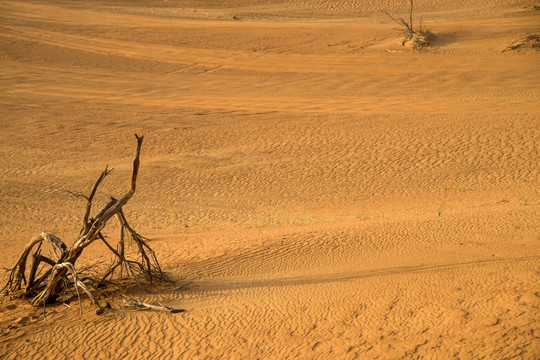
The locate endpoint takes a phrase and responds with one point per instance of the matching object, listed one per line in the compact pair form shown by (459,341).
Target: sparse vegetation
(439,212)
(531,41)
(417,36)
(47,280)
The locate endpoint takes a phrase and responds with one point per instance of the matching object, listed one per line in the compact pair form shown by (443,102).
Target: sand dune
(314,189)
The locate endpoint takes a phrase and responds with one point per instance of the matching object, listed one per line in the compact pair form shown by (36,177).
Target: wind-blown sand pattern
(315,190)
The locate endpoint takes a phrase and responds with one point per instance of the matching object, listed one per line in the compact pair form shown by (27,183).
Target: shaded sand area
(315,190)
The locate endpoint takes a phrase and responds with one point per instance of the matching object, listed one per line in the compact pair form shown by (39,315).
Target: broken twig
(140,305)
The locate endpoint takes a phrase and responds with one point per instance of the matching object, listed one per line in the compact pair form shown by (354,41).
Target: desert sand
(314,189)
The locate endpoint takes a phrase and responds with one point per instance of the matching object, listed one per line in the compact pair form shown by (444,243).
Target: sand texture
(314,189)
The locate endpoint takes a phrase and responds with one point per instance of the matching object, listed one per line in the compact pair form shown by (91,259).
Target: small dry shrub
(531,41)
(415,36)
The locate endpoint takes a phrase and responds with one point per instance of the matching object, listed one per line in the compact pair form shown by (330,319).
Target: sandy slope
(315,189)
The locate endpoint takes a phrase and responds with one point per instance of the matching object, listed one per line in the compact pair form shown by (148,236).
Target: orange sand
(316,190)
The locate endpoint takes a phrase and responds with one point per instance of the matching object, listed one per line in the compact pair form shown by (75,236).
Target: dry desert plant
(531,41)
(418,36)
(47,279)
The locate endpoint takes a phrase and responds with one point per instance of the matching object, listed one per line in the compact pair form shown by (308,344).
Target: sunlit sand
(314,189)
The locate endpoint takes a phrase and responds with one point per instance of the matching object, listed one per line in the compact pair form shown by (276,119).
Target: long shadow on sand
(220,285)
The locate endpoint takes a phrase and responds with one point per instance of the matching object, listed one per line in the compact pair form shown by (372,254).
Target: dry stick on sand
(45,287)
(140,305)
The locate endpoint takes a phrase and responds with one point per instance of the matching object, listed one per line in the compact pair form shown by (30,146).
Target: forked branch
(48,279)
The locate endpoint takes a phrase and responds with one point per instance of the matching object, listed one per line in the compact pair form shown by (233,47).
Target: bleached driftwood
(138,304)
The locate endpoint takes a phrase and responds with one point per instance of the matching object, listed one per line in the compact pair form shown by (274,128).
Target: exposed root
(17,273)
(40,299)
(418,40)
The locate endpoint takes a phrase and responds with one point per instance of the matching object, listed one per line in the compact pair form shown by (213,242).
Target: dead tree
(60,275)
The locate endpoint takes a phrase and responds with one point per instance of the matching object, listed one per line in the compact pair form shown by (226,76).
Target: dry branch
(140,305)
(46,286)
(528,41)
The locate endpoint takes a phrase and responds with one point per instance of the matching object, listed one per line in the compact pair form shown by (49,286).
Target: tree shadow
(223,285)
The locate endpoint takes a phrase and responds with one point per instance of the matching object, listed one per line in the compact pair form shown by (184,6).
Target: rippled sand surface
(314,189)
